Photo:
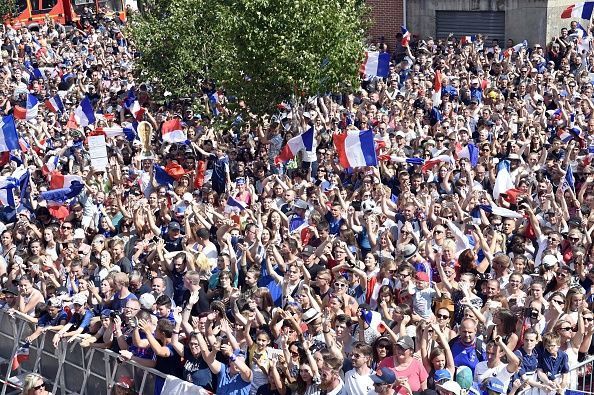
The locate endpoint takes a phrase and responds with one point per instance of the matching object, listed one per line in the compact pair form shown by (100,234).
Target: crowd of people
(461,263)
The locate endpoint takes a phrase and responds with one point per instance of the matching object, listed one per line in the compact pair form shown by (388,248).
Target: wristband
(232,357)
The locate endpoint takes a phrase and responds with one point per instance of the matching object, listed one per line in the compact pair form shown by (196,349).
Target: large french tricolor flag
(31,110)
(234,203)
(172,131)
(376,64)
(568,135)
(516,48)
(9,138)
(503,180)
(84,114)
(116,130)
(467,39)
(59,180)
(302,142)
(355,149)
(50,165)
(579,10)
(54,104)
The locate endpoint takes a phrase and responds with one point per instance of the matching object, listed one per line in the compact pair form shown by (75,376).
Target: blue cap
(105,313)
(384,376)
(495,385)
(442,374)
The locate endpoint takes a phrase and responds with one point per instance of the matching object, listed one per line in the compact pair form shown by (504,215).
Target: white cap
(451,386)
(147,301)
(79,234)
(549,260)
(187,197)
(79,299)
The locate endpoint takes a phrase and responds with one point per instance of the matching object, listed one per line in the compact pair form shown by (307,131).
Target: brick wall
(386,18)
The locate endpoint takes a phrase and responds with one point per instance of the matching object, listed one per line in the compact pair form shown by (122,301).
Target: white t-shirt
(483,372)
(355,384)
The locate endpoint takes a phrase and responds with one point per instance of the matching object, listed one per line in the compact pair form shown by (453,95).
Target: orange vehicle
(64,11)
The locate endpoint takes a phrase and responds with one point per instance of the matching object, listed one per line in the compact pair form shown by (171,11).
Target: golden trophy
(145,134)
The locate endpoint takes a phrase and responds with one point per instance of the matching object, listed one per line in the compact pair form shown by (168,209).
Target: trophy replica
(145,134)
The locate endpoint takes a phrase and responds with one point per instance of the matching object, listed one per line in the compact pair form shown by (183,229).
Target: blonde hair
(200,262)
(30,382)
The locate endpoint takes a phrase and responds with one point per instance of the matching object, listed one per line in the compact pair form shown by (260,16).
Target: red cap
(422,276)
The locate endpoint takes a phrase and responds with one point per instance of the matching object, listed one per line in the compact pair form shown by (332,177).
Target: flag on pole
(302,142)
(232,202)
(376,64)
(59,180)
(30,111)
(467,39)
(469,152)
(579,10)
(428,165)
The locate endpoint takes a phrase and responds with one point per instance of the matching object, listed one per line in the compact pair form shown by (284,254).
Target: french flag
(437,84)
(501,211)
(516,48)
(162,177)
(18,179)
(405,36)
(57,198)
(54,104)
(376,64)
(503,180)
(588,159)
(51,165)
(59,180)
(394,158)
(116,130)
(84,115)
(429,164)
(302,142)
(467,39)
(568,135)
(234,203)
(568,181)
(31,110)
(355,149)
(9,138)
(21,355)
(579,10)
(172,131)
(132,105)
(469,152)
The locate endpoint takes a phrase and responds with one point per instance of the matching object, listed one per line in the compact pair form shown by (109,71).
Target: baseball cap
(79,299)
(442,374)
(79,233)
(422,276)
(495,385)
(406,342)
(383,376)
(174,226)
(451,386)
(308,250)
(301,204)
(549,260)
(106,313)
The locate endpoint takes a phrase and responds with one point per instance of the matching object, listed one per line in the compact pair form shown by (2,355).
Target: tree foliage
(8,8)
(263,51)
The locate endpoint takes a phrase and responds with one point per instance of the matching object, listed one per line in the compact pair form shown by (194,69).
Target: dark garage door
(465,23)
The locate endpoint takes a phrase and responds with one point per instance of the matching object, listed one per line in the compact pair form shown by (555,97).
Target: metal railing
(69,368)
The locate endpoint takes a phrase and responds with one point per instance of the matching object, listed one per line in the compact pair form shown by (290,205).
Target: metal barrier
(585,372)
(69,368)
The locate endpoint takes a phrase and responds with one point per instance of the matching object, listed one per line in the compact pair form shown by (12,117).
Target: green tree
(8,8)
(263,51)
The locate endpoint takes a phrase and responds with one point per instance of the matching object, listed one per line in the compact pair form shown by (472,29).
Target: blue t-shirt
(467,355)
(47,320)
(529,362)
(232,385)
(118,304)
(333,224)
(170,365)
(196,370)
(553,366)
(81,321)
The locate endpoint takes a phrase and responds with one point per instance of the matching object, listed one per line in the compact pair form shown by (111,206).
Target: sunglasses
(340,285)
(443,316)
(40,386)
(559,301)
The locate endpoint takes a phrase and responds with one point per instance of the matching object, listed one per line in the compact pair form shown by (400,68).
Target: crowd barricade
(69,368)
